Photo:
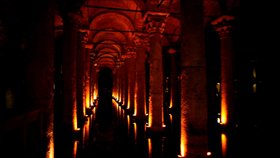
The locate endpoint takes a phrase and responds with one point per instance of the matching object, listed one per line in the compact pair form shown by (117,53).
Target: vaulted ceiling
(113,24)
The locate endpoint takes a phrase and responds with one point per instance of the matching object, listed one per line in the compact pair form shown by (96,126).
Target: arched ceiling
(112,24)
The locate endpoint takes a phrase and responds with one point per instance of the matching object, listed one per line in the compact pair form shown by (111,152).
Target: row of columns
(130,82)
(193,102)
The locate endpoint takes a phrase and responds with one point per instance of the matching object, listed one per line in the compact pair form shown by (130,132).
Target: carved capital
(223,25)
(83,36)
(155,22)
(130,52)
(141,40)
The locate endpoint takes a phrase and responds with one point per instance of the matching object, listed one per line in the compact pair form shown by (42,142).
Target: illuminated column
(193,95)
(140,86)
(81,111)
(223,27)
(118,82)
(125,84)
(155,23)
(131,64)
(69,73)
(123,78)
(87,75)
(37,78)
(93,81)
(173,79)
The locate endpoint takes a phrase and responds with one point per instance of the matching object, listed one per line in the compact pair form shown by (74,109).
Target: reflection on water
(126,137)
(224,144)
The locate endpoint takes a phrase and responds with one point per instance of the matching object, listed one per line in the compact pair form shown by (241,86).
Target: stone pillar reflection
(155,23)
(223,27)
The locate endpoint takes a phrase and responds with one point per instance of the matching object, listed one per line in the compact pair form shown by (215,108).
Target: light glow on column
(150,114)
(135,100)
(183,141)
(150,147)
(224,110)
(75,148)
(75,117)
(50,152)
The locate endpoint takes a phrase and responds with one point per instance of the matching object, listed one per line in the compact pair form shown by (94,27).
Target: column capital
(155,22)
(223,25)
(83,38)
(130,52)
(141,40)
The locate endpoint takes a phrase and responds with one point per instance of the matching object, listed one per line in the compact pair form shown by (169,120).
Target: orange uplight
(128,103)
(86,132)
(75,119)
(224,144)
(171,118)
(50,152)
(224,110)
(150,114)
(135,100)
(171,103)
(183,142)
(128,124)
(75,148)
(87,99)
(135,131)
(150,147)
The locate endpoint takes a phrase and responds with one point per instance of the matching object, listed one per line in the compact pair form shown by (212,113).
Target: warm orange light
(75,148)
(150,147)
(208,153)
(224,110)
(86,132)
(254,87)
(128,124)
(171,103)
(135,132)
(50,152)
(75,119)
(224,144)
(135,100)
(150,114)
(87,100)
(171,118)
(183,142)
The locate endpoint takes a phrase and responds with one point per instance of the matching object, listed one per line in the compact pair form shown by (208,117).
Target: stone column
(223,27)
(81,111)
(155,23)
(69,73)
(95,81)
(193,138)
(173,79)
(131,72)
(140,86)
(87,76)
